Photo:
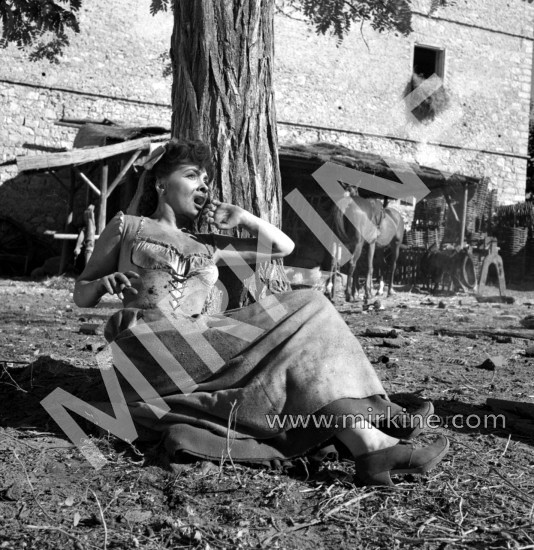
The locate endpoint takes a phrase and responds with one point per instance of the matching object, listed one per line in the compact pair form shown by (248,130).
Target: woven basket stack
(514,229)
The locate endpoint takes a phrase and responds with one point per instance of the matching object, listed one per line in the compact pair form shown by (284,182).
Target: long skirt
(275,379)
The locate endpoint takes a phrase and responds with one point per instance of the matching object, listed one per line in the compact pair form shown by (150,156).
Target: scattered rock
(91,329)
(93,347)
(396,343)
(528,321)
(492,363)
(503,339)
(138,516)
(407,328)
(381,332)
(442,305)
(463,319)
(13,492)
(513,318)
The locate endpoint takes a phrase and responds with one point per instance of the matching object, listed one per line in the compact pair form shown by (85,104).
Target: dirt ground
(481,496)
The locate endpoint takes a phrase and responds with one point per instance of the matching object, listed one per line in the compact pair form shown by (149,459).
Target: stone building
(349,94)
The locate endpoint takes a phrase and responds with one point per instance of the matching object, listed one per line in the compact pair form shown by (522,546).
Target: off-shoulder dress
(279,377)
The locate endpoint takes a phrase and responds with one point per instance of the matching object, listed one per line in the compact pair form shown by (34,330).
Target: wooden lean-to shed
(102,164)
(454,211)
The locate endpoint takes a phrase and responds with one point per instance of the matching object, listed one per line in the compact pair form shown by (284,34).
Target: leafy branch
(41,24)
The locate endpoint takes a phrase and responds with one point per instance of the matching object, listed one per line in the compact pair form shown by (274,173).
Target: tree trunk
(222,56)
(222,53)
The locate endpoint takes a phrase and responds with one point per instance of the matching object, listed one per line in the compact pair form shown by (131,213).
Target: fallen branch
(232,419)
(104,525)
(477,332)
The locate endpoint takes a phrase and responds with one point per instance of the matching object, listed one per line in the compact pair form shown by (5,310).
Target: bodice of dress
(175,276)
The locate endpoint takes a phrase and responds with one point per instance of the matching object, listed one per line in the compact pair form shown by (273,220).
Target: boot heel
(376,467)
(374,479)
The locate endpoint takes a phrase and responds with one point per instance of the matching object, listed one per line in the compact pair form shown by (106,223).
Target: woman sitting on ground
(249,372)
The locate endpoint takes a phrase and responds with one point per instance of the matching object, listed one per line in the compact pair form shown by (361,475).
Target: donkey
(356,221)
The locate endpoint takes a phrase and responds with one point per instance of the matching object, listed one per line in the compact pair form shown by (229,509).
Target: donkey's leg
(369,282)
(395,257)
(381,265)
(351,280)
(330,289)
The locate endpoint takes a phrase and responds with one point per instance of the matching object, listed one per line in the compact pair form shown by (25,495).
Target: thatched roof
(97,135)
(95,142)
(313,155)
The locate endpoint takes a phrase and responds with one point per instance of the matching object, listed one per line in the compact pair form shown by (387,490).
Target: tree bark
(222,57)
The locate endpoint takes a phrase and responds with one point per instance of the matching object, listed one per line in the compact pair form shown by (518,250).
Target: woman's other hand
(223,215)
(117,283)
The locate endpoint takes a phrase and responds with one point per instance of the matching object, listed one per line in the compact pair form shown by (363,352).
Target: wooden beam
(68,223)
(103,202)
(65,236)
(69,236)
(87,181)
(451,206)
(81,156)
(123,172)
(464,217)
(90,237)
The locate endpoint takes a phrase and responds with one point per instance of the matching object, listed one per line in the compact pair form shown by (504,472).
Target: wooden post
(68,224)
(464,217)
(102,205)
(89,216)
(124,170)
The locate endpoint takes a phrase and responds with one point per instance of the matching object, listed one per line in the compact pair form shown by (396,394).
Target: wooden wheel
(467,272)
(14,248)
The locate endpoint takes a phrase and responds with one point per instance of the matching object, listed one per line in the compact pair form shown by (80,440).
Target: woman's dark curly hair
(177,153)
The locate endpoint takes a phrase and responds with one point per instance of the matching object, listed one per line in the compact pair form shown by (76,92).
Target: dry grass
(480,497)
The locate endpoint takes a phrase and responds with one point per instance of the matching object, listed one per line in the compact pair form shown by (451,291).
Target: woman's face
(186,190)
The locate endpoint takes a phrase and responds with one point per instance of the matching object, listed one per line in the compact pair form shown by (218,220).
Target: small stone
(381,332)
(396,343)
(91,347)
(493,363)
(91,329)
(513,318)
(442,305)
(528,321)
(503,339)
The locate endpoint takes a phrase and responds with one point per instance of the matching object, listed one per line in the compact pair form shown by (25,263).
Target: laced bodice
(175,276)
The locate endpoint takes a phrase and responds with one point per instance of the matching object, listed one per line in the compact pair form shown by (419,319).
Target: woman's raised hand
(117,283)
(224,215)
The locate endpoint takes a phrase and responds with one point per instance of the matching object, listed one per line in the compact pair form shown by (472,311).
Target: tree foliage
(39,25)
(42,26)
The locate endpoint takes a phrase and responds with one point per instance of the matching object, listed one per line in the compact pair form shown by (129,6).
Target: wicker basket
(512,241)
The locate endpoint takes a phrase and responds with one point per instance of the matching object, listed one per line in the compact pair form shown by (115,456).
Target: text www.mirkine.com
(432,421)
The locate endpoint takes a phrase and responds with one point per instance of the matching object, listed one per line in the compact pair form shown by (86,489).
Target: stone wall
(349,93)
(27,126)
(29,114)
(359,86)
(113,69)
